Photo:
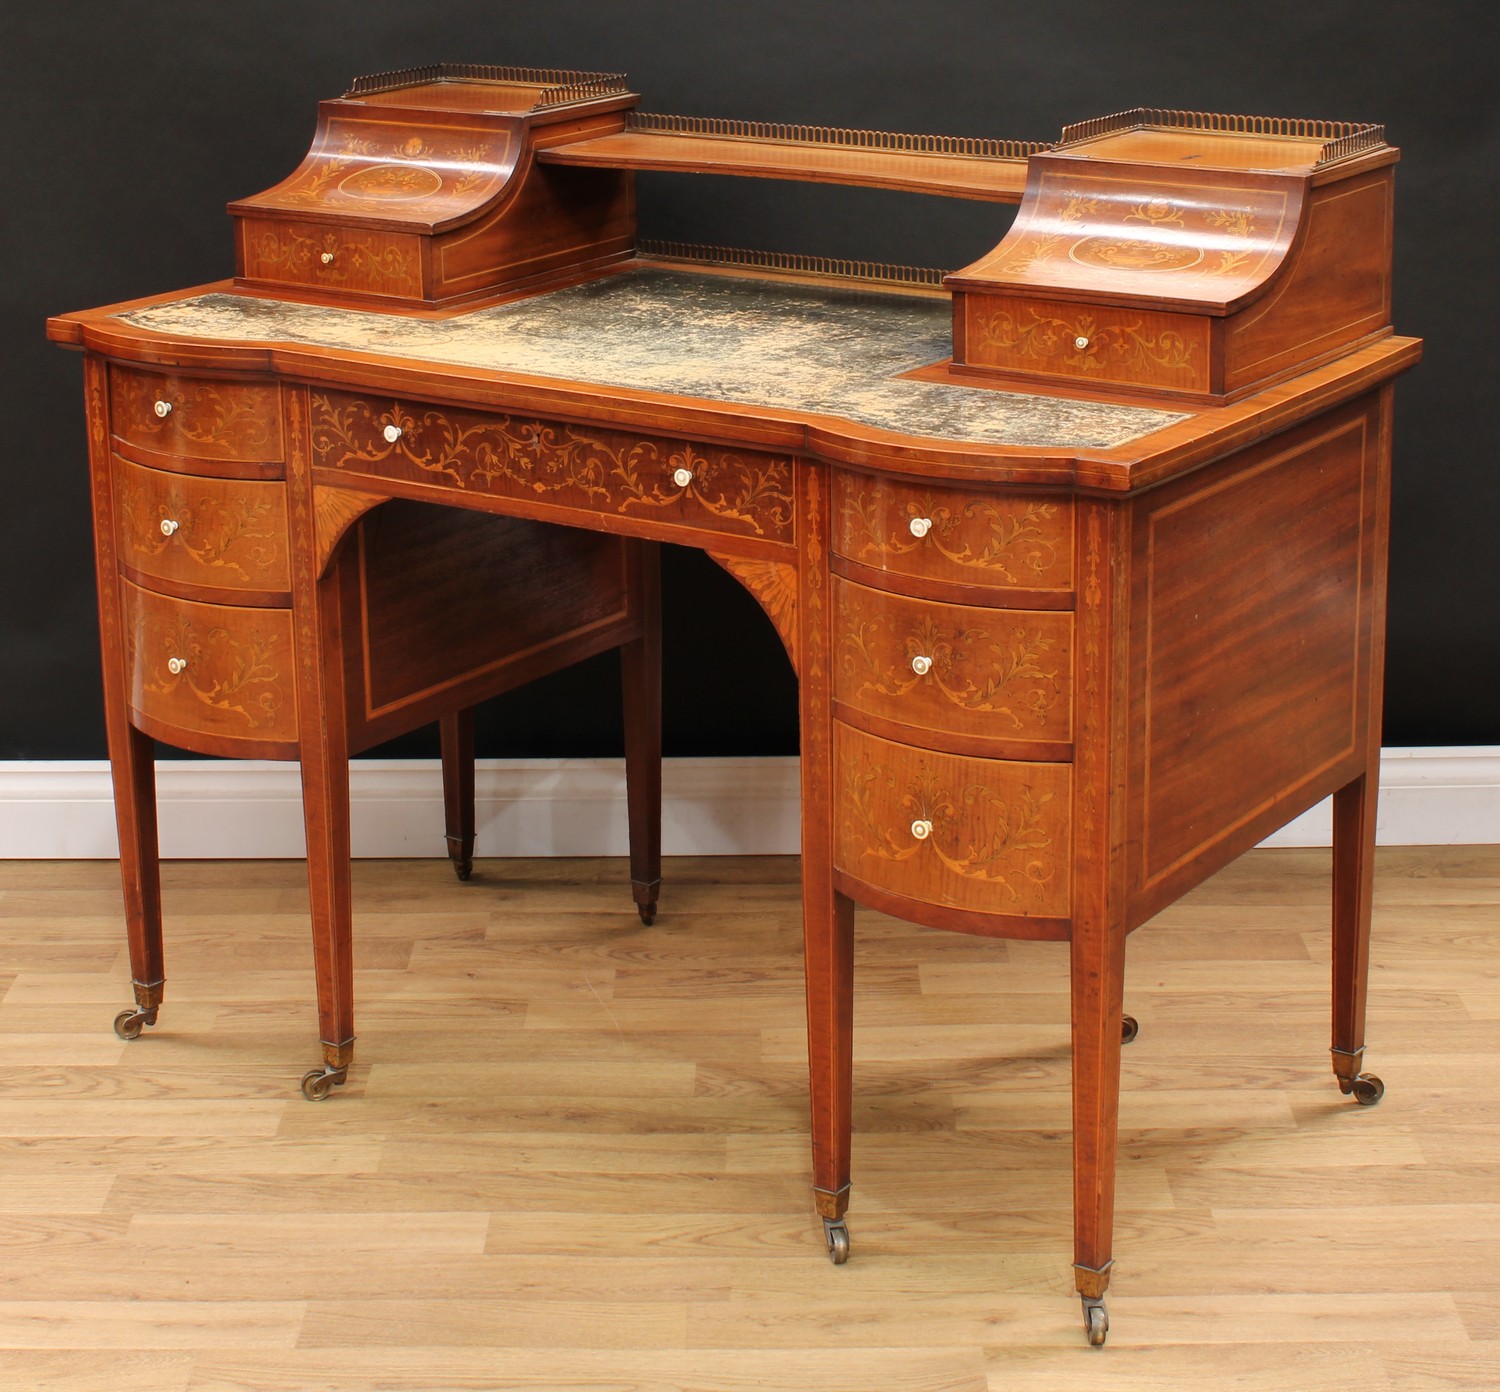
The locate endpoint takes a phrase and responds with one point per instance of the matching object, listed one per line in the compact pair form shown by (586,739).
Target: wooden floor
(572,1153)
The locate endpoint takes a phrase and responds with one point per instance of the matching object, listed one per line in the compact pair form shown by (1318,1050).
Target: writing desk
(1084,588)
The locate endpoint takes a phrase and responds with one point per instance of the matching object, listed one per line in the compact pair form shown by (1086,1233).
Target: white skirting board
(215,809)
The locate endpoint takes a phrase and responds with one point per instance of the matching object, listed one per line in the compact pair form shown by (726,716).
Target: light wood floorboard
(572,1153)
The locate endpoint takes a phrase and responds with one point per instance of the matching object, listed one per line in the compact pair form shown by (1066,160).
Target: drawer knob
(168,526)
(176,665)
(163,409)
(921,828)
(392,433)
(921,665)
(326,258)
(920,526)
(1080,343)
(682,477)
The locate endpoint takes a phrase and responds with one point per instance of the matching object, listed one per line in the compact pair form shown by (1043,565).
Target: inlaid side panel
(204,531)
(999,674)
(1251,590)
(742,492)
(993,539)
(982,834)
(199,417)
(210,669)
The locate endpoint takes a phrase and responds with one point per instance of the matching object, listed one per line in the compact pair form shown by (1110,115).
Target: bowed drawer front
(196,417)
(228,533)
(982,834)
(987,674)
(997,540)
(213,670)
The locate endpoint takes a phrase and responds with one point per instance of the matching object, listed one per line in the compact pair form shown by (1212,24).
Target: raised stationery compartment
(1184,254)
(422,188)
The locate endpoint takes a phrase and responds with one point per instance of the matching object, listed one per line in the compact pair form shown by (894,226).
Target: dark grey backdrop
(126,127)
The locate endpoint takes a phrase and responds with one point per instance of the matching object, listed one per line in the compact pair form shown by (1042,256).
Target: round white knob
(163,409)
(392,433)
(921,828)
(168,526)
(921,665)
(326,258)
(1080,343)
(682,477)
(176,665)
(920,526)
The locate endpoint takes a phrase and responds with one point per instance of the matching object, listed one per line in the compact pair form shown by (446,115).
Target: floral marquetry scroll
(964,833)
(738,491)
(946,534)
(998,673)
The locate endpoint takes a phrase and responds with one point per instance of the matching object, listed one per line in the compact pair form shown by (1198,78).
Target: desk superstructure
(1078,552)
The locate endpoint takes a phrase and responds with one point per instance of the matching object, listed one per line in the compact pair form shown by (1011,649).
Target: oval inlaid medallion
(391,181)
(1129,254)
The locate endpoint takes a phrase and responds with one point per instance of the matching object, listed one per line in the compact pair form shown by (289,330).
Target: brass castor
(316,1083)
(1366,1089)
(1095,1320)
(836,1232)
(1129,1028)
(463,868)
(129,1023)
(647,912)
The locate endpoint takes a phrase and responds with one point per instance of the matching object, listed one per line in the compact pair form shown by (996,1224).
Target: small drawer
(341,260)
(229,533)
(983,834)
(1063,341)
(196,417)
(210,669)
(991,539)
(555,464)
(1000,674)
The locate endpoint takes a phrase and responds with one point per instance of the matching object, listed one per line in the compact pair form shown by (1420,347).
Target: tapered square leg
(1353,893)
(134,773)
(640,676)
(456,730)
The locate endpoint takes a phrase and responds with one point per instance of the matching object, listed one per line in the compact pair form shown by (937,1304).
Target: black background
(125,129)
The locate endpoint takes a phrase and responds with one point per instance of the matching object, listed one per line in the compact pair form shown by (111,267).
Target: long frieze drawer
(1083,343)
(577,466)
(983,834)
(993,673)
(988,539)
(210,669)
(343,259)
(196,417)
(205,531)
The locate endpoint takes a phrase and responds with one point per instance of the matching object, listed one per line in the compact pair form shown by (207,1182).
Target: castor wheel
(1129,1028)
(463,868)
(1366,1089)
(129,1023)
(317,1082)
(647,912)
(836,1232)
(1095,1321)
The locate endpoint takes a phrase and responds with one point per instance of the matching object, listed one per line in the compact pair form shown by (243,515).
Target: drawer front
(994,673)
(554,463)
(997,539)
(983,834)
(338,259)
(196,417)
(204,531)
(1087,343)
(210,669)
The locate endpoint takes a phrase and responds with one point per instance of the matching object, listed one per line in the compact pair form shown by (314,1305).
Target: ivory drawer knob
(921,665)
(176,665)
(168,526)
(1080,343)
(326,258)
(163,409)
(920,526)
(682,477)
(392,433)
(921,828)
